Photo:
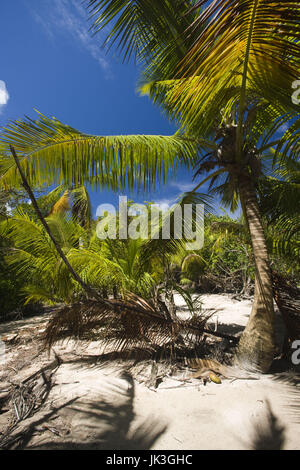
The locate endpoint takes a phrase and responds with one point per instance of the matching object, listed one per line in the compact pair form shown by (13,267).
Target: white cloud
(46,25)
(165,204)
(184,187)
(188,187)
(4,95)
(71,18)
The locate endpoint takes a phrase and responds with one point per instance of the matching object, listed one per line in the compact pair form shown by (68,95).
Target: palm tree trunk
(28,189)
(257,344)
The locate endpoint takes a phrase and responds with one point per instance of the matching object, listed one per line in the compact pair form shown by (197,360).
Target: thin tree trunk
(257,344)
(27,188)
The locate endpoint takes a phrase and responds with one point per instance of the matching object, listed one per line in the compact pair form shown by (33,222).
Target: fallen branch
(26,398)
(235,339)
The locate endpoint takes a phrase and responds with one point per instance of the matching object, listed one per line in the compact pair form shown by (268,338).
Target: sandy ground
(96,406)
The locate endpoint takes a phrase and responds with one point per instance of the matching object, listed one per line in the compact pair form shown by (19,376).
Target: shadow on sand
(106,425)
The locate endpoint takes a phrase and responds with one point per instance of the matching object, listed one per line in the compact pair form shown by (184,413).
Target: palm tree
(32,256)
(224,73)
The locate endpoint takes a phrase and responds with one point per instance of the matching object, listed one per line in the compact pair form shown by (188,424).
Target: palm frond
(237,56)
(288,147)
(32,254)
(53,153)
(123,324)
(143,28)
(279,198)
(190,259)
(62,205)
(162,247)
(279,203)
(81,208)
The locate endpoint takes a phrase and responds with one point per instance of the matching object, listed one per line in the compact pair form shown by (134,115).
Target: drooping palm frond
(53,153)
(288,248)
(216,54)
(143,28)
(105,272)
(190,259)
(279,198)
(193,267)
(33,255)
(289,145)
(163,246)
(289,171)
(265,126)
(236,48)
(123,324)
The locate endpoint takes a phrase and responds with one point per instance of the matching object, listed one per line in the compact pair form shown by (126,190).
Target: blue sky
(51,62)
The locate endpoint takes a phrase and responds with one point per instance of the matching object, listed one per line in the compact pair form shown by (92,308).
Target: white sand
(109,413)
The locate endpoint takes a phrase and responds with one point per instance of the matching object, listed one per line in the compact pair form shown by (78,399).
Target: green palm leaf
(52,153)
(33,255)
(81,209)
(143,28)
(243,50)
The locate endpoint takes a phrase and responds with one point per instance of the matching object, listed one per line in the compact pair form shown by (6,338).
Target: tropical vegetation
(223,71)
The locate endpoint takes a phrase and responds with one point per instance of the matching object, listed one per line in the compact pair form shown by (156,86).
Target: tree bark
(257,344)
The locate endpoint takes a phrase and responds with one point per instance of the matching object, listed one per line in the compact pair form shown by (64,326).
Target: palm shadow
(108,424)
(289,377)
(268,433)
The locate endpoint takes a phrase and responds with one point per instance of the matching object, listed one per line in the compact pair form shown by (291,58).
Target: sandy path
(92,407)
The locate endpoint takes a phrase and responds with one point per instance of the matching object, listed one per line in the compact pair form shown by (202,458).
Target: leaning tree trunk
(90,291)
(257,344)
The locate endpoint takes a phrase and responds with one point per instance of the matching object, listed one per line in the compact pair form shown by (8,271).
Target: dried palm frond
(24,400)
(132,322)
(62,205)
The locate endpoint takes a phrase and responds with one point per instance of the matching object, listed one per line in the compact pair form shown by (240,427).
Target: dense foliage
(31,270)
(224,71)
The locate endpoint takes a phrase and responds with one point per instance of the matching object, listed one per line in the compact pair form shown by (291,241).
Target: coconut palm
(224,72)
(126,321)
(32,255)
(105,265)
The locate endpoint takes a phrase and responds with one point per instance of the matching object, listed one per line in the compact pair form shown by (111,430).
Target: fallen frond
(123,324)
